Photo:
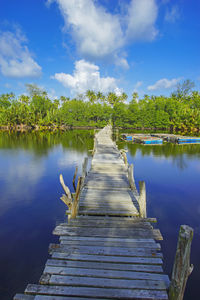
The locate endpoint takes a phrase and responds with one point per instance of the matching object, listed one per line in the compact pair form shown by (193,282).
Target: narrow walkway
(108,251)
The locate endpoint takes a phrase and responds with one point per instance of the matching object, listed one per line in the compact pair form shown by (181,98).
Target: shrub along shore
(180,112)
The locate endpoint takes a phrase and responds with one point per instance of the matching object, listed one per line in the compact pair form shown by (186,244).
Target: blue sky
(69,46)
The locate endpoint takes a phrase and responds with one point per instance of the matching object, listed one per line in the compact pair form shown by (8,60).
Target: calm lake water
(30,206)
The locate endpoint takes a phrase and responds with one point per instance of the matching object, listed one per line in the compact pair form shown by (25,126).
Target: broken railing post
(95,144)
(75,204)
(131,177)
(182,268)
(142,200)
(74,178)
(66,198)
(84,167)
(123,153)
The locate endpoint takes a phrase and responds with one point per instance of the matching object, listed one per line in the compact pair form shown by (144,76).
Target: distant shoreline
(38,128)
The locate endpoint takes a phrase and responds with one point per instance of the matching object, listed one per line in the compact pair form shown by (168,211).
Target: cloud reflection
(18,176)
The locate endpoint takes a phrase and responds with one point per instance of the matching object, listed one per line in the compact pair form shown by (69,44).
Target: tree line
(180,112)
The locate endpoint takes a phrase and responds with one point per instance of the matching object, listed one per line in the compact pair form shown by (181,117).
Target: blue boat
(188,140)
(129,138)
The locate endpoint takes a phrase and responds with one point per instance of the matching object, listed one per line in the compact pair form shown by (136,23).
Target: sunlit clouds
(86,76)
(15,58)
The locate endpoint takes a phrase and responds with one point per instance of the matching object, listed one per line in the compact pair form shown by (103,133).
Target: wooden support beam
(131,177)
(67,198)
(182,268)
(75,204)
(142,200)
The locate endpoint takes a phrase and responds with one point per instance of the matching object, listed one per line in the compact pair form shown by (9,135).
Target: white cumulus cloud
(96,32)
(86,76)
(142,15)
(164,84)
(15,59)
(99,33)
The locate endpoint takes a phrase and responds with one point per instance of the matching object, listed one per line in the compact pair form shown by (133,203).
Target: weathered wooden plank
(104,266)
(111,206)
(117,245)
(125,241)
(142,225)
(107,282)
(98,273)
(106,258)
(106,202)
(114,220)
(23,297)
(109,232)
(45,297)
(109,213)
(111,183)
(139,252)
(124,219)
(97,292)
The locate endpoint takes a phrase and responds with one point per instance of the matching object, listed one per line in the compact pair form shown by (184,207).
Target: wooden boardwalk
(108,251)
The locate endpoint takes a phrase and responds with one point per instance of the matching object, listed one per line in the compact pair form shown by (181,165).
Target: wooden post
(182,268)
(95,145)
(67,198)
(75,203)
(84,167)
(131,177)
(74,178)
(142,200)
(123,153)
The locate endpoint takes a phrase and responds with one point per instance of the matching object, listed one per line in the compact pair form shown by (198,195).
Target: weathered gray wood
(142,225)
(74,209)
(123,153)
(117,245)
(108,239)
(104,266)
(109,213)
(115,221)
(107,283)
(142,200)
(23,297)
(139,252)
(182,268)
(99,273)
(67,199)
(99,292)
(84,167)
(131,177)
(103,232)
(106,258)
(124,219)
(104,205)
(45,297)
(74,177)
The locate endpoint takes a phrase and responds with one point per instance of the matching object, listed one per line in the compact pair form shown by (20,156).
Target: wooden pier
(108,248)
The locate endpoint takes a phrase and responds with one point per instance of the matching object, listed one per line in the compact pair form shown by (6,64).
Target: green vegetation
(178,113)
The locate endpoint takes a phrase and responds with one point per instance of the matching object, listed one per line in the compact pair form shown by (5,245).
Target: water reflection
(29,201)
(178,154)
(19,174)
(171,173)
(30,191)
